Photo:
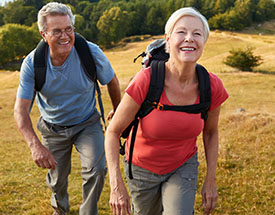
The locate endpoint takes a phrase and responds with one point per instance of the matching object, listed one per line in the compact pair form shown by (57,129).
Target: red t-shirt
(166,139)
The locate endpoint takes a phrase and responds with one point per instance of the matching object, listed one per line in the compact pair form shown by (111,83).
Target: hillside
(247,135)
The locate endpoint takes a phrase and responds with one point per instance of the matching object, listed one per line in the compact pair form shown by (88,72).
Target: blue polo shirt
(68,95)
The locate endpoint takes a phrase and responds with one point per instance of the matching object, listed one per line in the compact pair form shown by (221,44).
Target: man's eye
(56,31)
(69,29)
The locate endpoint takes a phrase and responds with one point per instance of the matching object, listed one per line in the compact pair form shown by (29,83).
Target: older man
(68,110)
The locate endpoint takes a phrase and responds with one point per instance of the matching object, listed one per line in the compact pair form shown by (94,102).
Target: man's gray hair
(53,9)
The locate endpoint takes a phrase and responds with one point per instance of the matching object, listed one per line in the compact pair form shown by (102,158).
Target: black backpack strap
(205,89)
(89,67)
(157,77)
(205,97)
(40,64)
(131,150)
(154,93)
(85,56)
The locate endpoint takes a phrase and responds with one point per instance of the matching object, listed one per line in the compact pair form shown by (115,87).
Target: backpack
(156,57)
(86,58)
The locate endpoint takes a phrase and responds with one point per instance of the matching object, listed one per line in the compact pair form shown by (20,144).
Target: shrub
(243,60)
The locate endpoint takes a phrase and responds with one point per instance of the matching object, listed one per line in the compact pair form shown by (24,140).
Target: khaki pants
(88,139)
(169,194)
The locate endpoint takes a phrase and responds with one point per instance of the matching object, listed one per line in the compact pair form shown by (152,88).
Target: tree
(244,60)
(265,10)
(155,20)
(79,23)
(244,9)
(16,12)
(137,17)
(16,41)
(207,8)
(112,26)
(234,19)
(221,6)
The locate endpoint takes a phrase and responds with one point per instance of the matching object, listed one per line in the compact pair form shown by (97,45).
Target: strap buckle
(158,106)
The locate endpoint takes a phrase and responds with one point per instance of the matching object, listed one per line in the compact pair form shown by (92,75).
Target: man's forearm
(114,92)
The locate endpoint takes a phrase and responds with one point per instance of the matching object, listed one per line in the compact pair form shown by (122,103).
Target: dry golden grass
(246,162)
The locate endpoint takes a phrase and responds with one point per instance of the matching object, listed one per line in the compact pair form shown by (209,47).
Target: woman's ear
(167,46)
(166,37)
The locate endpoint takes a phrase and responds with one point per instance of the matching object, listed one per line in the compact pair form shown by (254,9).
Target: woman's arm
(125,113)
(211,147)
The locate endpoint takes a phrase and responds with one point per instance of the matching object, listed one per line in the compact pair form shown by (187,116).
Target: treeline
(108,21)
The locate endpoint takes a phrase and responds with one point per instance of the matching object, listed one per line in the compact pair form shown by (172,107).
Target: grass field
(247,138)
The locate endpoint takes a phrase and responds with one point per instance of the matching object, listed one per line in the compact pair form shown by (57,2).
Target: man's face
(59,35)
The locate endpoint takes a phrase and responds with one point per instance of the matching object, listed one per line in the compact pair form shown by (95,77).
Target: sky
(2,2)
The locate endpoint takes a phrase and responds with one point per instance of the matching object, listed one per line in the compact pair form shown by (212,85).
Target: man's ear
(43,35)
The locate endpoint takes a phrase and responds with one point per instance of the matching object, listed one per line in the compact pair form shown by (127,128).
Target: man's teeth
(187,49)
(64,43)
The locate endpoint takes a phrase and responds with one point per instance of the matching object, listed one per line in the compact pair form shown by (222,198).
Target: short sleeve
(26,82)
(104,70)
(138,87)
(218,92)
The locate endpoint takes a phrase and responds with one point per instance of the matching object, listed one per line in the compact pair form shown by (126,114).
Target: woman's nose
(188,38)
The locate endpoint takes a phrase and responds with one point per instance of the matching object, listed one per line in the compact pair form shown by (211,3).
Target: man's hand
(42,156)
(110,115)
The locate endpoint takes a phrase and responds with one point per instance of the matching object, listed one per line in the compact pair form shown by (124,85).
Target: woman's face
(186,41)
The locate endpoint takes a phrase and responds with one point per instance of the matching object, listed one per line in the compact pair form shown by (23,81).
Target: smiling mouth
(64,43)
(187,49)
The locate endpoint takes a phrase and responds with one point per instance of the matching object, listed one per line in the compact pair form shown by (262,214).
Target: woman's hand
(209,195)
(119,199)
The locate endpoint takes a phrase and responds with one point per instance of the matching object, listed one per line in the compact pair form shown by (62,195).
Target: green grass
(246,156)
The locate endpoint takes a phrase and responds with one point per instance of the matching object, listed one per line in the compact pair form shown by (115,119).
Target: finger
(117,210)
(214,202)
(129,207)
(38,164)
(203,200)
(46,164)
(208,204)
(52,163)
(114,208)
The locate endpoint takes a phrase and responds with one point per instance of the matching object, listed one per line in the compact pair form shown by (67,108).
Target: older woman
(165,163)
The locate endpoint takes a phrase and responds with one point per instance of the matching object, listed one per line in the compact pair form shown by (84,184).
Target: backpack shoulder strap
(89,67)
(85,56)
(157,77)
(205,89)
(153,96)
(205,97)
(40,64)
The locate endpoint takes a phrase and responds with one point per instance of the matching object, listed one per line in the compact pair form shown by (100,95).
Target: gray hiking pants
(88,139)
(168,194)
